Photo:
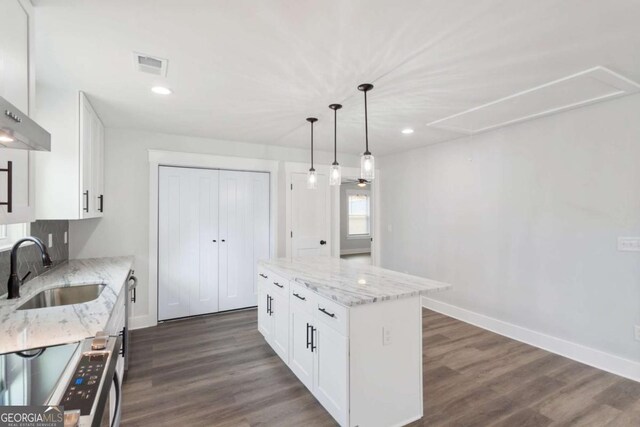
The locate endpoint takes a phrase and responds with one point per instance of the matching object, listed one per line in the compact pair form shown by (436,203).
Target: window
(359,218)
(11,233)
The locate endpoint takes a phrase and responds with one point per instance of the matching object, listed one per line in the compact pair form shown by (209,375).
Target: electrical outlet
(50,240)
(629,244)
(65,238)
(637,332)
(386,336)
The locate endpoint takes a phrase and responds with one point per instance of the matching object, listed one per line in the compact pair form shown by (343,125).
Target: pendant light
(312,178)
(367,162)
(335,175)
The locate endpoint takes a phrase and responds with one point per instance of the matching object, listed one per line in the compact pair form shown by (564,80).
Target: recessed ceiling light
(4,138)
(161,90)
(407,131)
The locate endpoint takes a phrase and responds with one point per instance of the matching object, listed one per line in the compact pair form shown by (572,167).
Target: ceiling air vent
(150,64)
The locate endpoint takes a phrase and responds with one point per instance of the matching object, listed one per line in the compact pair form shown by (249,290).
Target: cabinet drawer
(263,277)
(332,314)
(278,284)
(301,297)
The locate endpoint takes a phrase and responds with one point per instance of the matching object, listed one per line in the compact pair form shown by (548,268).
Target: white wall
(125,226)
(523,222)
(353,245)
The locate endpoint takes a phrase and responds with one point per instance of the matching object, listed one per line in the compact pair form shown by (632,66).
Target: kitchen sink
(63,295)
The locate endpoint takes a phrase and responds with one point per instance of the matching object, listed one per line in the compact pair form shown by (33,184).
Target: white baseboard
(141,322)
(589,356)
(354,251)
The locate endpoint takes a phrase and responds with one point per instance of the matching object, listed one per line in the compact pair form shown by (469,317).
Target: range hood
(17,130)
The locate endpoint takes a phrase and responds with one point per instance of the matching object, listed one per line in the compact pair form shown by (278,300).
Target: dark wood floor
(218,371)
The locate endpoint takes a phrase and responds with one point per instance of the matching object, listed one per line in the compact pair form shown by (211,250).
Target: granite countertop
(352,284)
(28,329)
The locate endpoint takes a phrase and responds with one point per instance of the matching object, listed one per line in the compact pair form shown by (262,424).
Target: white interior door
(187,239)
(310,216)
(244,235)
(204,290)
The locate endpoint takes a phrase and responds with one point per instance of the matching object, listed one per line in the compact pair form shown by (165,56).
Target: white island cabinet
(351,333)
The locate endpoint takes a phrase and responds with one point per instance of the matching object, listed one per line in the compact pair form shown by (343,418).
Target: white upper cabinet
(70,179)
(14,54)
(91,160)
(17,193)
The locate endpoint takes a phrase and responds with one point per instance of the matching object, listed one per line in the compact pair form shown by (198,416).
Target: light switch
(65,238)
(629,244)
(50,240)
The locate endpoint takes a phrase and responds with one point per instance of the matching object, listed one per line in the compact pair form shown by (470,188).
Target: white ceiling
(252,71)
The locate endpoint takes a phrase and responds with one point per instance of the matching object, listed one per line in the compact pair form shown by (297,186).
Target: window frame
(367,194)
(11,233)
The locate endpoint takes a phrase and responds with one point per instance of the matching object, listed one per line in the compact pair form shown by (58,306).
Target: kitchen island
(351,333)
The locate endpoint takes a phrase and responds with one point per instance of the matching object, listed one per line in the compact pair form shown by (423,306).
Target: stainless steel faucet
(14,281)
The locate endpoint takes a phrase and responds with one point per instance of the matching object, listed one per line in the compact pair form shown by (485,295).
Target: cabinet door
(280,314)
(300,351)
(17,189)
(97,165)
(14,54)
(87,122)
(331,372)
(265,321)
(244,235)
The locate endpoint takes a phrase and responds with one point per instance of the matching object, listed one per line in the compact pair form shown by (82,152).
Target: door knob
(323,242)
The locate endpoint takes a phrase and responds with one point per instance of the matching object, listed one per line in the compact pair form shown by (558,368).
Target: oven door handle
(115,422)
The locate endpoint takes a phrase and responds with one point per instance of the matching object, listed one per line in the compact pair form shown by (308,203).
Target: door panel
(301,357)
(21,210)
(331,371)
(264,319)
(280,314)
(97,165)
(244,235)
(14,54)
(188,255)
(176,262)
(310,217)
(87,133)
(204,292)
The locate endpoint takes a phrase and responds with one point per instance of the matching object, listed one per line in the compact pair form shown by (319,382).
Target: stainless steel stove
(80,377)
(31,377)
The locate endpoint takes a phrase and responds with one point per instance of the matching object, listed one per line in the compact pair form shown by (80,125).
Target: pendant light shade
(335,174)
(312,178)
(367,161)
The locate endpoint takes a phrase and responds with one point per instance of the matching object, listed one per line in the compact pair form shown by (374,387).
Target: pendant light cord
(366,125)
(335,136)
(311,145)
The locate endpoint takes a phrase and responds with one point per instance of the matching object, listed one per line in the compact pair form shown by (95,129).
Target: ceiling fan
(360,182)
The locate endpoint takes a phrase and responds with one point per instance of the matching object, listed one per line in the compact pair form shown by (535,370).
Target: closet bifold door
(187,242)
(244,236)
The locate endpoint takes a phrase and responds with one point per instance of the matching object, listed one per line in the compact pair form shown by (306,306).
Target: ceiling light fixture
(312,178)
(362,183)
(335,175)
(407,131)
(6,138)
(367,162)
(161,90)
